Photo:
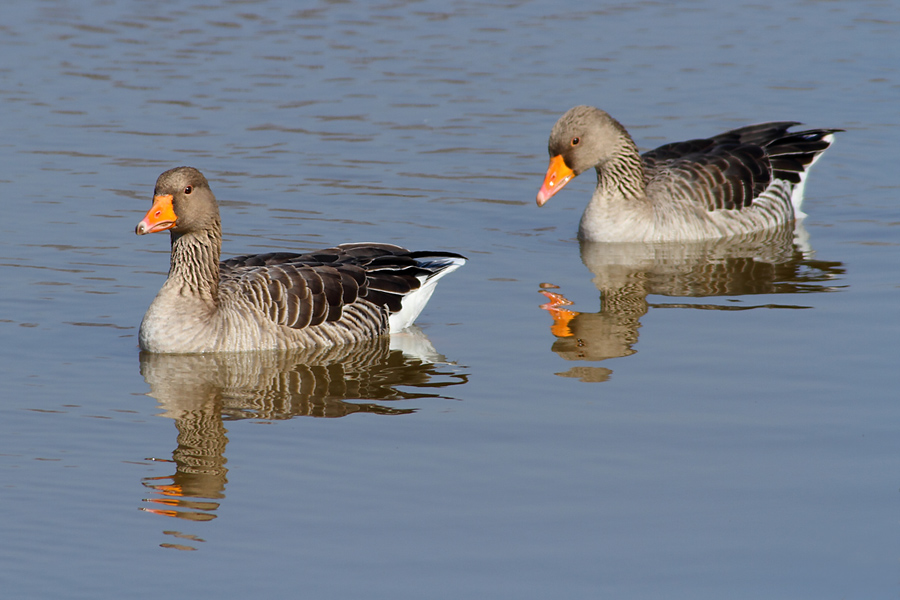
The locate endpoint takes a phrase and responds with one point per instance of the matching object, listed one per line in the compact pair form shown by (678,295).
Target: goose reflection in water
(777,261)
(202,391)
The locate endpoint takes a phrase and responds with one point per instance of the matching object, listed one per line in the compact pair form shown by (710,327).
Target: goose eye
(576,141)
(188,189)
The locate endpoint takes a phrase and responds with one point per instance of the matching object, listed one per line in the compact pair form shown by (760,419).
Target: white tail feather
(797,192)
(413,303)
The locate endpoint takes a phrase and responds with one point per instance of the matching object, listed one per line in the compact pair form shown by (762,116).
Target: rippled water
(713,420)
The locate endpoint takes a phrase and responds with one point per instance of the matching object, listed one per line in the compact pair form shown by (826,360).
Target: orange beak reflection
(558,175)
(160,217)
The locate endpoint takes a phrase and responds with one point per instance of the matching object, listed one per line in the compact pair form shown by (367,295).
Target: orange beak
(558,175)
(160,217)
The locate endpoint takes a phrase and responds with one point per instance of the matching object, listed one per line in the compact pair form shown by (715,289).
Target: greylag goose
(273,301)
(741,181)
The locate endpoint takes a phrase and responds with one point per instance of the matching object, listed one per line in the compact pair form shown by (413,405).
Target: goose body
(741,181)
(279,300)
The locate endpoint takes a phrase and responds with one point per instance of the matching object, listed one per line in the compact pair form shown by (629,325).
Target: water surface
(705,421)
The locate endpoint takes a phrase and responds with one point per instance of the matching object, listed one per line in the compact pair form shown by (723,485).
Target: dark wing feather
(290,292)
(760,134)
(754,135)
(723,176)
(676,151)
(730,170)
(792,154)
(304,290)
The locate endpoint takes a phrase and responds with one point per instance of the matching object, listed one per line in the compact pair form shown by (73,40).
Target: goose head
(182,203)
(583,138)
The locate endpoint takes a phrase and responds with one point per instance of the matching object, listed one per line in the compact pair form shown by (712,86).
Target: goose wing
(305,290)
(715,176)
(730,170)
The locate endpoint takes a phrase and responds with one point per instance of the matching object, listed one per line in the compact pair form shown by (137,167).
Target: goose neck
(195,262)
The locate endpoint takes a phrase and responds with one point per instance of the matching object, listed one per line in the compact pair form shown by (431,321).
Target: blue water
(720,427)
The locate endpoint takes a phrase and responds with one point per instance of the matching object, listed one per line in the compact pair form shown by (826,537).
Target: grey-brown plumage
(278,300)
(744,180)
